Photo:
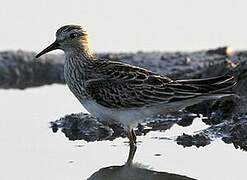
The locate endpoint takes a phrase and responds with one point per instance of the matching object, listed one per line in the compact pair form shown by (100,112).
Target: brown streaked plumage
(115,91)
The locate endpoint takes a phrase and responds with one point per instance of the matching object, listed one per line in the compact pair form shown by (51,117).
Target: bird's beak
(52,47)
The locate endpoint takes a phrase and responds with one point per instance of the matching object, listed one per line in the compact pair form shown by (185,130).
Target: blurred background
(127,26)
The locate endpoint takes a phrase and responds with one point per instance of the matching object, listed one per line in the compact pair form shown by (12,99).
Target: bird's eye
(72,36)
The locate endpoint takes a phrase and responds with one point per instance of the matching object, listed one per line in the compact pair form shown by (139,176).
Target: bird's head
(69,38)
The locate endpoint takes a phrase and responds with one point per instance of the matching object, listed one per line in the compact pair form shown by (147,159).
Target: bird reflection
(134,172)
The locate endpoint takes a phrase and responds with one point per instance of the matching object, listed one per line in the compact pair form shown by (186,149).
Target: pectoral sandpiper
(115,91)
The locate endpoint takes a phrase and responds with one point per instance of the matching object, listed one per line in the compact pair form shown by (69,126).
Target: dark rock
(234,131)
(197,140)
(82,126)
(225,51)
(187,119)
(237,134)
(218,110)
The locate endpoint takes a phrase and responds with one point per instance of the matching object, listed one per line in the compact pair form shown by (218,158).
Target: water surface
(30,150)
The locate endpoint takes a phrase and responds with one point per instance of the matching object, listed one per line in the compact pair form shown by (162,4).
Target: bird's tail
(220,84)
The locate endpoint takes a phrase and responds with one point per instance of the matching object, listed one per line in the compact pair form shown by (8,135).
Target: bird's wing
(125,86)
(211,85)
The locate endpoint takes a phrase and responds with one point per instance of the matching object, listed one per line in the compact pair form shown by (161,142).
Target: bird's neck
(79,59)
(84,48)
(77,67)
(80,51)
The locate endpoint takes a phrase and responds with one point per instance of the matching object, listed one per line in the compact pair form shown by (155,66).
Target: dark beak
(52,47)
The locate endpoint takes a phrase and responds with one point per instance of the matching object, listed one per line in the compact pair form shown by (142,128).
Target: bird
(113,91)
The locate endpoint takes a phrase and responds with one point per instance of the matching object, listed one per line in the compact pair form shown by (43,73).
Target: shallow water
(30,150)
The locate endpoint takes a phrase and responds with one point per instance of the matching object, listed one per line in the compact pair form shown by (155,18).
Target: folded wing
(130,87)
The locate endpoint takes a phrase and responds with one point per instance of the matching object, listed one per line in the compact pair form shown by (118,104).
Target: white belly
(128,117)
(131,117)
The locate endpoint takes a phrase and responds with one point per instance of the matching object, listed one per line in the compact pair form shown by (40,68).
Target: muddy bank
(233,131)
(20,69)
(85,127)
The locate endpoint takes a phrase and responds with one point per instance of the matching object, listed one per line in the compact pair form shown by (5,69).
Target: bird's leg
(133,135)
(132,144)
